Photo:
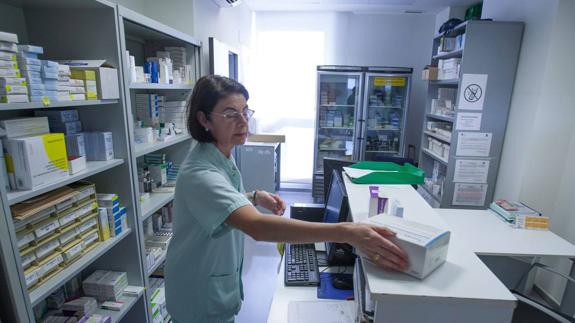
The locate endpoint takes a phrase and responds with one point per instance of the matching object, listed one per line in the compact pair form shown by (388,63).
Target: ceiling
(359,6)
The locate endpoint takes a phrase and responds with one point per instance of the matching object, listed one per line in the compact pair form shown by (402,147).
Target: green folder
(388,173)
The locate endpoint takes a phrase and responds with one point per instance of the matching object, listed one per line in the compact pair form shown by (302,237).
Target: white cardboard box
(106,76)
(38,160)
(425,245)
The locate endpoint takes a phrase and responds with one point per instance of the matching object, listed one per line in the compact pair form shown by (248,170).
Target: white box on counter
(426,246)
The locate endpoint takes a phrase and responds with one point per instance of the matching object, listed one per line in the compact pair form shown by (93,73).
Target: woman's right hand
(374,242)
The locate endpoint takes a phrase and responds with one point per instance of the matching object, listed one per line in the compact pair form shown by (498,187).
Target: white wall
(539,148)
(369,39)
(233,26)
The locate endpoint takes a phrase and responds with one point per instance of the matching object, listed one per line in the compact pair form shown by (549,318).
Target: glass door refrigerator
(338,109)
(384,112)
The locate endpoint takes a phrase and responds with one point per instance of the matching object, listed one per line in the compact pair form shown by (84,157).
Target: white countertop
(486,234)
(462,278)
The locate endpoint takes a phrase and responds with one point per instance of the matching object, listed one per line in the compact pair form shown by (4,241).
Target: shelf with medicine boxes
(156,86)
(146,148)
(467,105)
(75,119)
(161,66)
(53,104)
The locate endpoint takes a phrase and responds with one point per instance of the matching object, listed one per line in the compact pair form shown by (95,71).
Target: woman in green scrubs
(212,212)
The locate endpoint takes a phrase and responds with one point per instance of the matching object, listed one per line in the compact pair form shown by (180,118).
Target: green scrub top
(204,260)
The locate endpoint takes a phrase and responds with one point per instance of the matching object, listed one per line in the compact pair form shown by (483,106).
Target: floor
(261,260)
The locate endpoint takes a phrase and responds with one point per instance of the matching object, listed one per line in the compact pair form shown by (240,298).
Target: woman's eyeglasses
(236,116)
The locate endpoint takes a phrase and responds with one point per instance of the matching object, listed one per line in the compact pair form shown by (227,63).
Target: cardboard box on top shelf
(106,76)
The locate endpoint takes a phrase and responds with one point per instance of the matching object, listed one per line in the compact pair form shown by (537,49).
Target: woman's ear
(203,120)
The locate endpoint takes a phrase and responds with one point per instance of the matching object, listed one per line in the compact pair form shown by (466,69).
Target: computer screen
(337,210)
(336,207)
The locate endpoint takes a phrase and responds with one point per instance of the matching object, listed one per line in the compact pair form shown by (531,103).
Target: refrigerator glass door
(384,113)
(338,102)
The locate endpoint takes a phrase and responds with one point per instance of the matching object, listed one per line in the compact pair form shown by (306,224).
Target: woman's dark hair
(207,92)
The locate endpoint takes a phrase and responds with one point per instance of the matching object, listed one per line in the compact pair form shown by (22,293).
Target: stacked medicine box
(115,214)
(56,229)
(12,85)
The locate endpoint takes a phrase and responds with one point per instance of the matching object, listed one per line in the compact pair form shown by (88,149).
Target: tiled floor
(261,260)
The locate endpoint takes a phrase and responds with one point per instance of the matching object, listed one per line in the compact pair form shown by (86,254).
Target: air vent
(227,3)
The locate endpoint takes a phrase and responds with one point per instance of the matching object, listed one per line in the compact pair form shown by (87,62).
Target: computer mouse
(341,283)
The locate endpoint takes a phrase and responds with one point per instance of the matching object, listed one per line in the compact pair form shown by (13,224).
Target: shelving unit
(53,105)
(464,179)
(142,37)
(73,29)
(159,262)
(154,203)
(142,149)
(75,268)
(93,29)
(92,168)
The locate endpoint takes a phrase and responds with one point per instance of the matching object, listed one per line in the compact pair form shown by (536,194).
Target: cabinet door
(338,106)
(384,113)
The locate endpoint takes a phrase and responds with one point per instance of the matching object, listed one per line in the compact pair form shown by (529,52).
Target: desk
(485,234)
(285,294)
(461,290)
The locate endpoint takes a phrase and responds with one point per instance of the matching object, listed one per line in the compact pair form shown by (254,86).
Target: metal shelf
(444,82)
(117,316)
(383,129)
(455,53)
(142,149)
(56,104)
(157,264)
(344,128)
(435,156)
(92,168)
(157,86)
(384,107)
(442,118)
(332,149)
(382,151)
(74,268)
(435,197)
(156,202)
(436,136)
(337,105)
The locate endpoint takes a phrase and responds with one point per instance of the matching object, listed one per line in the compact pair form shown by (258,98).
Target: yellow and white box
(37,160)
(426,246)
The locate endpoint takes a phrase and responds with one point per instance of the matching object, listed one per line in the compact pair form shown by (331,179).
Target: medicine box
(37,160)
(426,246)
(10,72)
(14,98)
(77,164)
(6,56)
(58,116)
(31,49)
(105,75)
(99,146)
(75,146)
(46,227)
(50,264)
(68,128)
(72,250)
(103,224)
(90,239)
(25,127)
(32,275)
(69,233)
(12,81)
(8,37)
(46,246)
(24,237)
(9,64)
(27,256)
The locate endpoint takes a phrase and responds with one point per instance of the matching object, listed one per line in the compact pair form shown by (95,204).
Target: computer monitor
(329,165)
(337,210)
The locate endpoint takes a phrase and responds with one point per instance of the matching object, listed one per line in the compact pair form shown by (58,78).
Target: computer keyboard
(301,265)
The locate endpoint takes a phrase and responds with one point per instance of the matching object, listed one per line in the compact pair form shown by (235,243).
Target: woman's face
(226,122)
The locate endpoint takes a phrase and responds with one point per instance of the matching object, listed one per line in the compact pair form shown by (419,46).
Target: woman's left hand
(271,202)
